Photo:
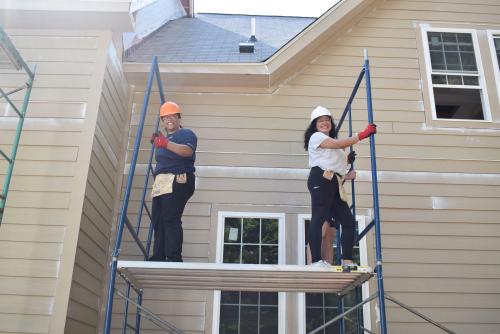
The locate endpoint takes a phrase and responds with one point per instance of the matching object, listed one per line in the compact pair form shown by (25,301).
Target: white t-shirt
(333,159)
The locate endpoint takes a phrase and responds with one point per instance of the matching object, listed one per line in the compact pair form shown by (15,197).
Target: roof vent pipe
(249,45)
(252,37)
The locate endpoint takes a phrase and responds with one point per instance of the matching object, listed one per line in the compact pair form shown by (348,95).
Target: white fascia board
(75,15)
(249,75)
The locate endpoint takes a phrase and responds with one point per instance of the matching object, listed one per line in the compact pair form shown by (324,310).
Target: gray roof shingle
(215,38)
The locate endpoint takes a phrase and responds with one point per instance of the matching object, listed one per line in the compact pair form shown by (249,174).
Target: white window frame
(491,35)
(363,255)
(281,260)
(482,82)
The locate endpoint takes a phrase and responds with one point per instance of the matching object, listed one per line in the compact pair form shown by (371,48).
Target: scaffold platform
(242,277)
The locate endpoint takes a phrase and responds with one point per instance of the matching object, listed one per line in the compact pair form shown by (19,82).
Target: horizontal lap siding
(440,237)
(439,188)
(105,169)
(37,213)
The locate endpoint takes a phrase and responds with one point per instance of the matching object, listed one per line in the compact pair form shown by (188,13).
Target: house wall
(99,207)
(439,185)
(41,225)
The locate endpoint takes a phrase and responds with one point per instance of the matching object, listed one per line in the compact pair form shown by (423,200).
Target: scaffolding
(139,275)
(11,60)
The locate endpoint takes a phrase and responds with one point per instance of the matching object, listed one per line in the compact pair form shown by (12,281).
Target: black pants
(326,203)
(167,212)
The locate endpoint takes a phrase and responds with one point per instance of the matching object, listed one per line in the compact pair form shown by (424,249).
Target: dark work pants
(325,204)
(166,219)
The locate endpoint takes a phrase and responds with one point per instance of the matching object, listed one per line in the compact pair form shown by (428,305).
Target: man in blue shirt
(174,183)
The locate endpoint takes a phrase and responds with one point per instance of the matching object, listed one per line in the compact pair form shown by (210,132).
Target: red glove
(160,141)
(368,131)
(153,137)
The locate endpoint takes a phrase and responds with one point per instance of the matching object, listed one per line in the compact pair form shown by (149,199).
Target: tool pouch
(162,185)
(342,193)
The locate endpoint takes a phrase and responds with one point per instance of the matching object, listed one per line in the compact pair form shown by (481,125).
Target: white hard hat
(320,111)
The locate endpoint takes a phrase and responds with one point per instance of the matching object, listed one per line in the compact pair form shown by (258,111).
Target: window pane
(333,328)
(249,320)
(350,300)
(250,254)
(268,320)
(228,320)
(435,41)
(314,299)
(439,79)
(232,230)
(314,318)
(230,297)
(437,60)
(268,298)
(456,103)
(497,49)
(270,231)
(269,255)
(454,79)
(231,254)
(331,300)
(468,61)
(351,327)
(450,42)
(465,42)
(251,230)
(249,297)
(452,61)
(471,81)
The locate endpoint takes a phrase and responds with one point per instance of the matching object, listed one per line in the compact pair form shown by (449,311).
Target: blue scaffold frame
(124,221)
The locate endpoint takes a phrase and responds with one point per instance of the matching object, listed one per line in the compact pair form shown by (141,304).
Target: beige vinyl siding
(40,227)
(439,186)
(99,211)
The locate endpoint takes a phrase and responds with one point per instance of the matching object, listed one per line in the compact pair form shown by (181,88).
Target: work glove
(351,157)
(368,131)
(153,137)
(161,141)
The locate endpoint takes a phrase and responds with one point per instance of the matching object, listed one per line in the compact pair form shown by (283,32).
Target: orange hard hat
(169,108)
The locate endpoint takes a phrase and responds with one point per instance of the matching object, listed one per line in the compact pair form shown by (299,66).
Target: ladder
(11,60)
(139,275)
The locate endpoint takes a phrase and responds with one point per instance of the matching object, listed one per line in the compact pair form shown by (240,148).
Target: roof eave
(203,76)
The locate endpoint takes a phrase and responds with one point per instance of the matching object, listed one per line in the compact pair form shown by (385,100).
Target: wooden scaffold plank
(242,277)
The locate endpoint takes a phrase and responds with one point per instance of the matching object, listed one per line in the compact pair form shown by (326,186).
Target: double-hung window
(494,41)
(455,75)
(249,238)
(316,309)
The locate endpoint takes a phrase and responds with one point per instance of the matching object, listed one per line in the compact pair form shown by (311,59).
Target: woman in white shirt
(328,163)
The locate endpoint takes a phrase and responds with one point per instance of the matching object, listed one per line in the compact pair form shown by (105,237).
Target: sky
(302,8)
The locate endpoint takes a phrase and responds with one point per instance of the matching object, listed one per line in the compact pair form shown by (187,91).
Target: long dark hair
(312,129)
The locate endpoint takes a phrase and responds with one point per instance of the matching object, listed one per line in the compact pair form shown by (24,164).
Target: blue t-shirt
(170,162)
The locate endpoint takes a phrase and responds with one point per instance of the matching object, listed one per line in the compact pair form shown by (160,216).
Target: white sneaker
(321,264)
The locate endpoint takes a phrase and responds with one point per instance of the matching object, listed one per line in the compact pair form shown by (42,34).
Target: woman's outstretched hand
(368,131)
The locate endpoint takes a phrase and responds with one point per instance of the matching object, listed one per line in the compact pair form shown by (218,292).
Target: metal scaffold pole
(378,238)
